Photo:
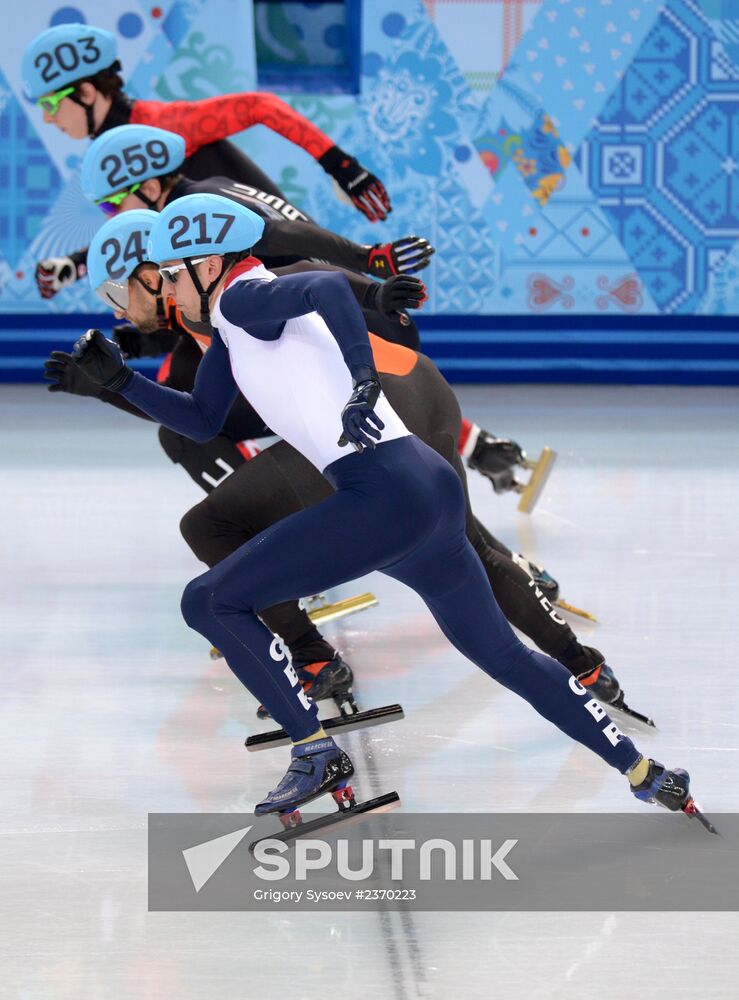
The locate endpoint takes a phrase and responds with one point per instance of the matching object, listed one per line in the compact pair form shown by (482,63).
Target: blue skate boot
(670,789)
(315,768)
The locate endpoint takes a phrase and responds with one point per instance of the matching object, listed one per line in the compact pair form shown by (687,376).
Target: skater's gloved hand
(102,361)
(358,416)
(367,192)
(397,294)
(135,344)
(411,253)
(66,375)
(55,273)
(496,458)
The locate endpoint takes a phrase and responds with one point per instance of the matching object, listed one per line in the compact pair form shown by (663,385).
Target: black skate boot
(496,458)
(543,580)
(327,679)
(604,684)
(670,789)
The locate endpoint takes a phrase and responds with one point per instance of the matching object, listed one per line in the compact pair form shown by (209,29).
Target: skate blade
(691,809)
(340,609)
(343,817)
(540,471)
(574,610)
(632,714)
(339,724)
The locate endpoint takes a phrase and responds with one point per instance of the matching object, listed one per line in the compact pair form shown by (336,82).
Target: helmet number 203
(179,226)
(66,57)
(133,163)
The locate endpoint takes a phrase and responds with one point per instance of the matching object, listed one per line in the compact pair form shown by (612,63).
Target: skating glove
(411,253)
(135,344)
(366,192)
(395,295)
(358,416)
(55,273)
(66,375)
(101,360)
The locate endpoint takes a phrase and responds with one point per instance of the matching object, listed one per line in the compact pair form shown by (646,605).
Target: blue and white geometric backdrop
(565,156)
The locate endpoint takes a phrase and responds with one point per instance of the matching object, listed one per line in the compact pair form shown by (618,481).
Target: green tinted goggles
(50,103)
(112,202)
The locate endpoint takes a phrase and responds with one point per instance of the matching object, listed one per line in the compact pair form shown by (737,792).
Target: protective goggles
(50,103)
(170,273)
(114,294)
(111,203)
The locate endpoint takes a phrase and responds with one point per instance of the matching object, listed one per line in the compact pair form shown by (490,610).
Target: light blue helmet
(128,155)
(65,54)
(202,224)
(117,249)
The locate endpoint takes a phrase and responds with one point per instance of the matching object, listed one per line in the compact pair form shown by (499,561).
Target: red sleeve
(202,122)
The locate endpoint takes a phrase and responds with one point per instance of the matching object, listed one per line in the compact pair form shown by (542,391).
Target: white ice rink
(112,709)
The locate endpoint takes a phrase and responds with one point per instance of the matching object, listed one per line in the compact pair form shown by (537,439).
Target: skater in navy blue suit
(298,349)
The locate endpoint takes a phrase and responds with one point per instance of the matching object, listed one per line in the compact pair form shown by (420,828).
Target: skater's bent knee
(194,527)
(172,444)
(196,599)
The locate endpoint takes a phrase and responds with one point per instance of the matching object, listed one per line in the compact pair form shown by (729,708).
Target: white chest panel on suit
(299,383)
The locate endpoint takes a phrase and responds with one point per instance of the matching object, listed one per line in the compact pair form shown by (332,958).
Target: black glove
(55,273)
(395,295)
(66,376)
(367,193)
(411,253)
(135,344)
(102,361)
(496,458)
(359,415)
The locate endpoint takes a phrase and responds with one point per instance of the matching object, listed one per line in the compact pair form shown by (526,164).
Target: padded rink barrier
(655,350)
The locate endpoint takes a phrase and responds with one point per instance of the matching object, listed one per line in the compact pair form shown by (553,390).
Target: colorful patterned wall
(565,156)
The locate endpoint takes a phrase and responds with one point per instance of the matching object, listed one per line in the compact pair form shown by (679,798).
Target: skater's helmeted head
(197,240)
(121,273)
(72,72)
(131,166)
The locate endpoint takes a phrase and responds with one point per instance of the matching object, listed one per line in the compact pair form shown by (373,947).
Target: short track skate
(540,471)
(320,614)
(349,812)
(344,723)
(572,609)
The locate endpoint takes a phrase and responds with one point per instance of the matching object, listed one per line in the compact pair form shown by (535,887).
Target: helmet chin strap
(157,293)
(203,293)
(89,113)
(150,204)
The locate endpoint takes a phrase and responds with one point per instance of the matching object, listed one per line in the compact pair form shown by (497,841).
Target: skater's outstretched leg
(446,572)
(528,611)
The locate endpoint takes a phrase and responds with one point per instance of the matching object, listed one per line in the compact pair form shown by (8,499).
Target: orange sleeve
(214,118)
(392,359)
